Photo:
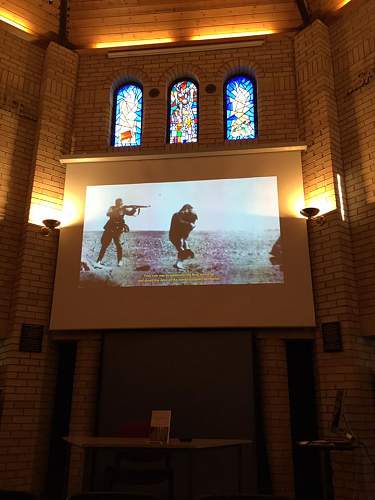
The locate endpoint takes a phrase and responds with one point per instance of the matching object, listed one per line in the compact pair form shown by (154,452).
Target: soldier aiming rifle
(115,227)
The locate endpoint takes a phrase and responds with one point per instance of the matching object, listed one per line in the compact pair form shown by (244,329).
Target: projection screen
(195,240)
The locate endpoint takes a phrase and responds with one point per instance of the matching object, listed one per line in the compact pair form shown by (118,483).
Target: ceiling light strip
(11,21)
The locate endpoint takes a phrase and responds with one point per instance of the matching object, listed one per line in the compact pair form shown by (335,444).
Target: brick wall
(272,63)
(352,39)
(275,412)
(85,392)
(353,48)
(20,77)
(335,271)
(44,80)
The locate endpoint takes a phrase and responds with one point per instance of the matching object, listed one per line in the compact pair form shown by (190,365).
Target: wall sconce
(311,214)
(49,226)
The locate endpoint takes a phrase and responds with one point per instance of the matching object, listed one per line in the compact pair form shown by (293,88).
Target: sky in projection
(248,204)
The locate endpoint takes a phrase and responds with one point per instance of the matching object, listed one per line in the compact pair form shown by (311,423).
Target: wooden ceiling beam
(63,38)
(63,21)
(304,10)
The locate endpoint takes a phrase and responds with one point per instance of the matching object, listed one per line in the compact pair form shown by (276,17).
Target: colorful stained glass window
(128,118)
(240,109)
(183,114)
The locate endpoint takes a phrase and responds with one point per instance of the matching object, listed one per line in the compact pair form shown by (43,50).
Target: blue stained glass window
(128,117)
(240,109)
(183,112)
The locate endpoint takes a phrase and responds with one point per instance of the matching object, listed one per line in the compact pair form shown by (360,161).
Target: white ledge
(190,48)
(137,157)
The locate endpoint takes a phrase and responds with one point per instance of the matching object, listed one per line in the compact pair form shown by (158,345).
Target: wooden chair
(139,467)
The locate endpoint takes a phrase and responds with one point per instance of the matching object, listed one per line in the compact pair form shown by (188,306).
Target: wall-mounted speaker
(210,88)
(331,333)
(154,92)
(31,339)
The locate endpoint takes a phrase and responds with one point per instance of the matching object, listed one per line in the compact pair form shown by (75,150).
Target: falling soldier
(182,223)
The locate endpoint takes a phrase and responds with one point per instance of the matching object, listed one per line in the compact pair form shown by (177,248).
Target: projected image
(222,231)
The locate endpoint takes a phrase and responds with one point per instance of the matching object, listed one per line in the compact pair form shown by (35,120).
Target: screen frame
(297,311)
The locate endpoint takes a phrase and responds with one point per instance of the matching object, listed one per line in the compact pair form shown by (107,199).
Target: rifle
(135,206)
(138,207)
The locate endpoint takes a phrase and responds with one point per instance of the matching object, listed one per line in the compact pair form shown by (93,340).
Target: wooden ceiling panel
(36,16)
(136,21)
(323,8)
(94,23)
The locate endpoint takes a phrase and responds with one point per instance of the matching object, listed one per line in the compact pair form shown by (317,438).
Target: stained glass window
(240,109)
(128,117)
(183,112)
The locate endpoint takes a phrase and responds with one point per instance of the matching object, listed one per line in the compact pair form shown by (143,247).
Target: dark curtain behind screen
(203,376)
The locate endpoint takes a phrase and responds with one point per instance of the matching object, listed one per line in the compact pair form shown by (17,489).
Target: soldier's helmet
(186,207)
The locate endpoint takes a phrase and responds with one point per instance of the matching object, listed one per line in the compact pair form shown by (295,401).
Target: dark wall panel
(205,378)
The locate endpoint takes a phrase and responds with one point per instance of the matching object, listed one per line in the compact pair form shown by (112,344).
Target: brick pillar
(275,396)
(82,417)
(331,259)
(29,378)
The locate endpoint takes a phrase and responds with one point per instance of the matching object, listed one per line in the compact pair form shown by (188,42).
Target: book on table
(160,426)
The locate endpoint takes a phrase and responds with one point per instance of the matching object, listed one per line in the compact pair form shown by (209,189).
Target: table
(92,443)
(325,446)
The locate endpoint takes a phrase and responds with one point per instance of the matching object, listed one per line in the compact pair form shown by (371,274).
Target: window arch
(127,118)
(183,112)
(240,108)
